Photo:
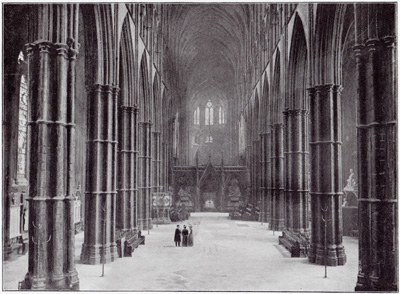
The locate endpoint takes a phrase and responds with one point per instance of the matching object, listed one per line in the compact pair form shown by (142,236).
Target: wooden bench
(296,246)
(132,241)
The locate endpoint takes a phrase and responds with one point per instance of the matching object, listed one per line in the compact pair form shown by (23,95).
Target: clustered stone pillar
(156,161)
(51,77)
(126,171)
(326,176)
(268,178)
(144,180)
(257,171)
(277,195)
(377,129)
(249,155)
(263,175)
(100,202)
(296,181)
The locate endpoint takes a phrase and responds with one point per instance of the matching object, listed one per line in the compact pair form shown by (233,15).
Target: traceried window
(221,116)
(209,114)
(197,116)
(209,139)
(22,124)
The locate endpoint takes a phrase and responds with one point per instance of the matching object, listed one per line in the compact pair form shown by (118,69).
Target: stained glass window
(209,113)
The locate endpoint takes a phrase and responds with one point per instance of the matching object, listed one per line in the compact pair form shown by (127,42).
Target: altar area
(210,188)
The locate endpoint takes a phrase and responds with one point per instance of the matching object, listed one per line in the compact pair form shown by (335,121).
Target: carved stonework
(216,188)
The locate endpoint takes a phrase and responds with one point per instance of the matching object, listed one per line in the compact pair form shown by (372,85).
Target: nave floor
(227,256)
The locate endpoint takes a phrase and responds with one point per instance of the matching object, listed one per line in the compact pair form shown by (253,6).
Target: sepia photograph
(199,147)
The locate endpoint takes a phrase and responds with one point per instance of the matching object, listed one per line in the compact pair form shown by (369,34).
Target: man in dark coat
(177,237)
(185,234)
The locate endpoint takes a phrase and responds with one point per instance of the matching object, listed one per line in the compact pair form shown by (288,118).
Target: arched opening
(349,122)
(296,148)
(265,137)
(126,218)
(277,213)
(145,145)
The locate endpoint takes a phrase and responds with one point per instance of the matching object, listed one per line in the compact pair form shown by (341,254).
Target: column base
(374,283)
(73,280)
(335,255)
(92,254)
(65,281)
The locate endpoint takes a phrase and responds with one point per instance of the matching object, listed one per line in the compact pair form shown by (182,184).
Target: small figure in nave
(177,237)
(190,240)
(185,234)
(351,182)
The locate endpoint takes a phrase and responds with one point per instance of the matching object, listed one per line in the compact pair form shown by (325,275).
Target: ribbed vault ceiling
(207,44)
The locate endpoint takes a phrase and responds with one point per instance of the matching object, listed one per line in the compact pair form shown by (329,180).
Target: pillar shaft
(51,76)
(268,178)
(326,176)
(144,180)
(156,162)
(101,191)
(277,195)
(126,172)
(296,178)
(377,166)
(263,176)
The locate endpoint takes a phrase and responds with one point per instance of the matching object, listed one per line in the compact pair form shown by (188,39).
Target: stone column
(135,171)
(278,217)
(296,179)
(101,191)
(326,176)
(156,161)
(149,177)
(126,173)
(257,171)
(377,129)
(144,171)
(268,179)
(51,76)
(263,176)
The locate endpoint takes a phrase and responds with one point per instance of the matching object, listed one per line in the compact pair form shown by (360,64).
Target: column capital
(116,89)
(389,41)
(61,49)
(372,44)
(295,112)
(277,126)
(103,88)
(145,123)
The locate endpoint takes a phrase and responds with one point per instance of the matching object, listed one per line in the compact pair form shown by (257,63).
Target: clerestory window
(221,116)
(209,113)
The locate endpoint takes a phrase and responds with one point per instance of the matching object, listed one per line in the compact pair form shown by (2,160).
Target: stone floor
(227,256)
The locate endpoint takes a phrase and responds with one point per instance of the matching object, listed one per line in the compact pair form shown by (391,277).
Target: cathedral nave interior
(119,119)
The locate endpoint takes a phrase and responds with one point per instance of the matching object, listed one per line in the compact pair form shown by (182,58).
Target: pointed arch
(156,118)
(144,90)
(127,62)
(276,108)
(297,83)
(265,107)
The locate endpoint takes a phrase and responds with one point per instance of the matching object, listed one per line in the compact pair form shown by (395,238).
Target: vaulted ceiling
(207,48)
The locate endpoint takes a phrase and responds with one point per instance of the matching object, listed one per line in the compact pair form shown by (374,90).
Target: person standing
(177,237)
(190,240)
(185,234)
